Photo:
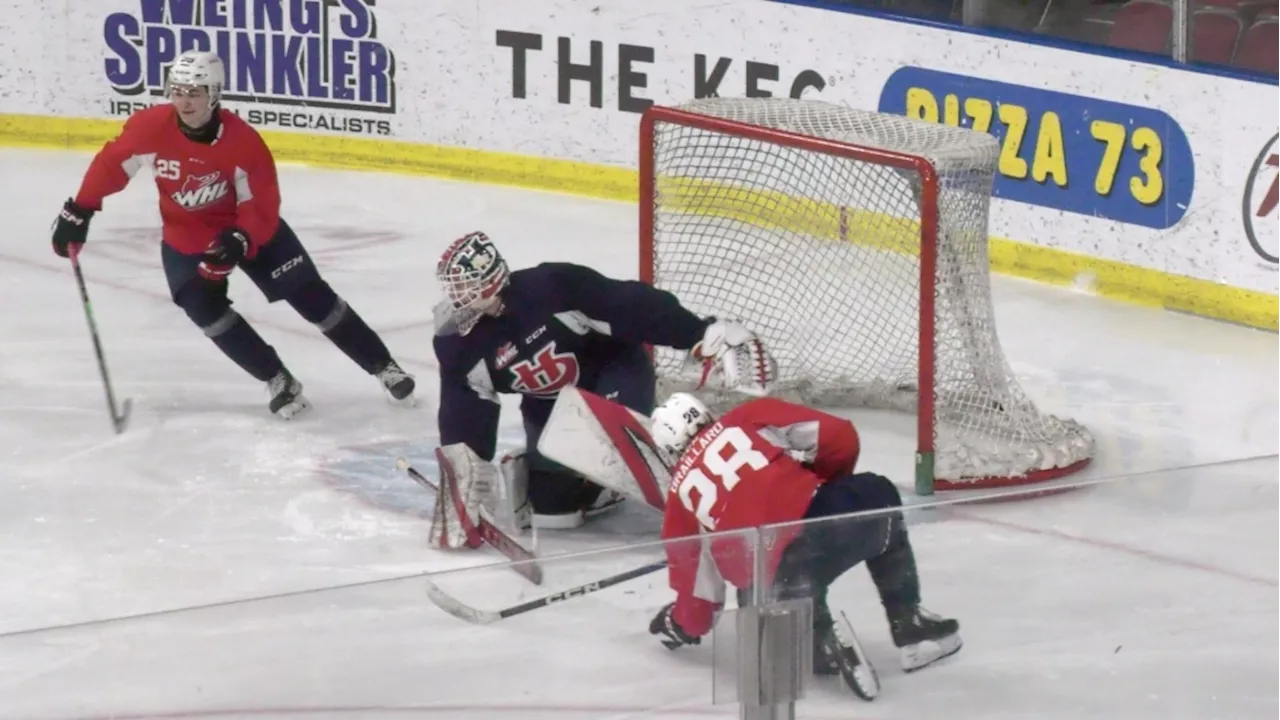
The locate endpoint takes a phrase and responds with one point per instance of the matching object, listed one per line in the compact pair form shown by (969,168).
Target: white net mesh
(821,255)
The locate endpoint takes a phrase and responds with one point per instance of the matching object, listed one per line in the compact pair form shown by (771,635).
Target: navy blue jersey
(560,325)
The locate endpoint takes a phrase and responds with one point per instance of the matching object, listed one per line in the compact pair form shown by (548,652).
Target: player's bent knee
(208,307)
(319,305)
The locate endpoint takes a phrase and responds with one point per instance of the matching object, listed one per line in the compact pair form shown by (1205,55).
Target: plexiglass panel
(1147,597)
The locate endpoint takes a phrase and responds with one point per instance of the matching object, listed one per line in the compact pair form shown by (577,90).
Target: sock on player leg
(319,305)
(240,342)
(206,304)
(894,572)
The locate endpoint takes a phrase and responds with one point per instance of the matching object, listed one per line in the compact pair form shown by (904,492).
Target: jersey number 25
(168,169)
(725,469)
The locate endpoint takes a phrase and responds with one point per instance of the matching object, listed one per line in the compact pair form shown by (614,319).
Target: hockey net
(855,244)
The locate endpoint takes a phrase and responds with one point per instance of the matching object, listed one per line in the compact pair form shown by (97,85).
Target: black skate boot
(922,637)
(836,650)
(574,501)
(287,401)
(398,383)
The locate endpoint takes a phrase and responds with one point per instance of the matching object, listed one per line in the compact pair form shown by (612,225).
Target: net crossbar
(855,244)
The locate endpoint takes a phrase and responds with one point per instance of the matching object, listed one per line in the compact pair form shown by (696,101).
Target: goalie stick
(526,562)
(475,616)
(119,418)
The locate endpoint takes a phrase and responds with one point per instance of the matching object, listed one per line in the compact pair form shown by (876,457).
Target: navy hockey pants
(828,548)
(282,270)
(280,267)
(629,380)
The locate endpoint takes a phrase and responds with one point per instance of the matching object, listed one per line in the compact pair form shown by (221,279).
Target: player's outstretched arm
(630,310)
(118,161)
(640,313)
(109,172)
(692,574)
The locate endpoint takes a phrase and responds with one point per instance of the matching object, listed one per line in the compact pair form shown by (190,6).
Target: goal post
(855,244)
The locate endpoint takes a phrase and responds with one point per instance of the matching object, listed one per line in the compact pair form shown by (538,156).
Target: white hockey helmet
(199,68)
(677,421)
(472,273)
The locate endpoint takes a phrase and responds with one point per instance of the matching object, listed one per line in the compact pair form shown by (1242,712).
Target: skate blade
(604,506)
(862,678)
(294,409)
(922,655)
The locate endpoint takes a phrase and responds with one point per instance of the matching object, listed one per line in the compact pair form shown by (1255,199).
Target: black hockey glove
(71,227)
(224,253)
(664,624)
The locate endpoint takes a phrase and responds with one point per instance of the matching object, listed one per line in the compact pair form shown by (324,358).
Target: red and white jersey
(205,188)
(760,464)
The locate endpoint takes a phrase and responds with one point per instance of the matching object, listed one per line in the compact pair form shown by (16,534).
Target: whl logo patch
(200,191)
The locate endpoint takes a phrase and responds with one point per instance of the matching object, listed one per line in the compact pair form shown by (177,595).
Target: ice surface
(1154,596)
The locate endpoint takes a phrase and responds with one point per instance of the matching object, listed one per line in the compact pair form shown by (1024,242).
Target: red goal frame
(925,482)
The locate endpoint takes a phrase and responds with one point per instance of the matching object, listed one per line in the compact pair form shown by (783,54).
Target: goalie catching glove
(738,356)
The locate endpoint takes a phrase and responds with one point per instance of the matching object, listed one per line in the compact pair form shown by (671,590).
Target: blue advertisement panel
(1127,163)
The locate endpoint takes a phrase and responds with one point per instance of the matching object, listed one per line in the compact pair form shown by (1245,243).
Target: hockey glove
(224,253)
(71,227)
(738,356)
(664,624)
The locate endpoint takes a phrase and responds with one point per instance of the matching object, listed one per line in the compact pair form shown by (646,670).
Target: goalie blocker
(803,468)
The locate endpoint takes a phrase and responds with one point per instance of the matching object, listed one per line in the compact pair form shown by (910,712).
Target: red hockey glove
(224,253)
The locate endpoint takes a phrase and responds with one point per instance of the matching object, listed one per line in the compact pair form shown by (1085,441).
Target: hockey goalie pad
(465,483)
(509,506)
(606,443)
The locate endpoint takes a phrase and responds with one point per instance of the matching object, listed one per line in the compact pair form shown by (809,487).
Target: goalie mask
(472,274)
(676,422)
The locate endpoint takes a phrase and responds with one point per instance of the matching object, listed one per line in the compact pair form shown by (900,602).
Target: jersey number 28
(726,470)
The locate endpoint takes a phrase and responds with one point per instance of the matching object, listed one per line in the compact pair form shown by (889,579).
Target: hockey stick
(526,562)
(118,418)
(458,609)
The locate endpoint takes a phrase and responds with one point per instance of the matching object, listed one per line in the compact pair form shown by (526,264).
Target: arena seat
(1258,49)
(1142,25)
(1216,30)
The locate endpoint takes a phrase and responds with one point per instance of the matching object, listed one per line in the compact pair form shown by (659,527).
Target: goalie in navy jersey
(539,330)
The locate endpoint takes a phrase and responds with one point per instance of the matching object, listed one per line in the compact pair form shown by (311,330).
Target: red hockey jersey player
(766,462)
(203,188)
(220,209)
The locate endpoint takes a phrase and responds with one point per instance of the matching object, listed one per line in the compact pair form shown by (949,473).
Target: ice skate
(836,651)
(606,502)
(398,383)
(923,638)
(593,502)
(287,401)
